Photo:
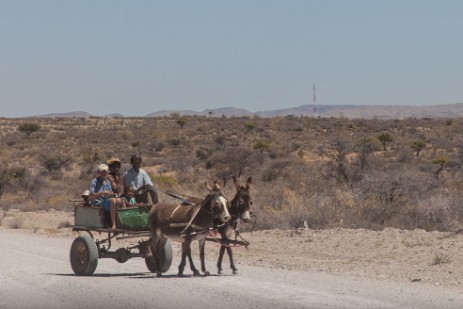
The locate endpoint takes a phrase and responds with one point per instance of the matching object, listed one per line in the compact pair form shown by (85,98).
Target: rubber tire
(84,256)
(166,259)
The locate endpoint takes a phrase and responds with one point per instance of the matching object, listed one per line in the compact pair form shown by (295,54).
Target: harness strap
(173,212)
(196,227)
(192,218)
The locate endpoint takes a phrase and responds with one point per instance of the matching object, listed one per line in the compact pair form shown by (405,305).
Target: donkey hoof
(207,273)
(180,275)
(196,273)
(219,271)
(235,271)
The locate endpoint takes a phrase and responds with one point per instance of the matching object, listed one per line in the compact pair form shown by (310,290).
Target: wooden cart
(86,250)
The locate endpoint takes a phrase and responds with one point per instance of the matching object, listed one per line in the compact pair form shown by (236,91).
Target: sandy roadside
(411,256)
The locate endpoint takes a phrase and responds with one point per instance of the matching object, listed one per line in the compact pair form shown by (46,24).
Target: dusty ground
(414,256)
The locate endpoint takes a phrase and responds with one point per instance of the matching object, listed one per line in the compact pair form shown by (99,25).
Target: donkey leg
(192,265)
(202,243)
(185,253)
(232,263)
(219,261)
(156,249)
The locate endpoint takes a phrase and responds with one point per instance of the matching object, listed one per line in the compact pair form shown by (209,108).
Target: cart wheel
(166,259)
(84,256)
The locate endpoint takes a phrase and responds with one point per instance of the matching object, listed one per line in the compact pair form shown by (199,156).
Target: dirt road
(35,273)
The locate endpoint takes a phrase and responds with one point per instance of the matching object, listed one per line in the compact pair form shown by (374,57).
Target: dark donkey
(240,209)
(186,224)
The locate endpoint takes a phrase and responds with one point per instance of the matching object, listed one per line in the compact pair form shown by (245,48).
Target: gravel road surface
(35,273)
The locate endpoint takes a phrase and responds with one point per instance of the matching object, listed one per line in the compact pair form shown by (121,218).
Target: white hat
(102,167)
(85,193)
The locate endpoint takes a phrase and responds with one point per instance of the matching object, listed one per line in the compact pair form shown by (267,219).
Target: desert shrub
(433,213)
(175,142)
(27,181)
(440,258)
(404,157)
(231,163)
(385,138)
(159,146)
(249,127)
(17,223)
(7,175)
(164,179)
(28,128)
(202,154)
(289,210)
(64,224)
(53,161)
(418,146)
(275,170)
(56,201)
(181,122)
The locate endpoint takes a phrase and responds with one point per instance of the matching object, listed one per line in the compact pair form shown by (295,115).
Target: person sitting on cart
(114,176)
(101,193)
(138,179)
(128,198)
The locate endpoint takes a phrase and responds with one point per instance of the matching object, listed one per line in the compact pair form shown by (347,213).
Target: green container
(133,219)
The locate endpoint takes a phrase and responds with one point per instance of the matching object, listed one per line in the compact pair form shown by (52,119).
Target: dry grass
(64,224)
(328,172)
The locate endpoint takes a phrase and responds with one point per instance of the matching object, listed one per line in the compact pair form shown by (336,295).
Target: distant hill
(115,115)
(65,115)
(165,113)
(347,111)
(229,112)
(217,112)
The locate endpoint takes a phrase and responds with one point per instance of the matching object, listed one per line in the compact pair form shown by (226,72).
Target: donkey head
(219,203)
(241,203)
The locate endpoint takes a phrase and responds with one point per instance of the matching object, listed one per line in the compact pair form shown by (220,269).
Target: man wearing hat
(114,176)
(101,193)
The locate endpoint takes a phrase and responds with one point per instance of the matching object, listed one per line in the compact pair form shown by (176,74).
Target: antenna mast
(314,102)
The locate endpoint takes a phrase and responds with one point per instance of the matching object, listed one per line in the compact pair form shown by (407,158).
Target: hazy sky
(137,57)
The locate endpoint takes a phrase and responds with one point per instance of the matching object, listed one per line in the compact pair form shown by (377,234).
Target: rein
(177,196)
(214,237)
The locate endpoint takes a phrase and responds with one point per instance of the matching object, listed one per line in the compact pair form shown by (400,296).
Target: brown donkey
(240,209)
(186,224)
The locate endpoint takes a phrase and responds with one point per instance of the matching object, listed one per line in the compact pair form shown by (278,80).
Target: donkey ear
(216,186)
(209,188)
(248,183)
(236,183)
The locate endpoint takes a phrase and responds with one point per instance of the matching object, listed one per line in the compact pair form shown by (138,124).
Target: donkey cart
(132,224)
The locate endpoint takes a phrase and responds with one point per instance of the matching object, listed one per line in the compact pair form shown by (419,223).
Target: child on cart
(129,197)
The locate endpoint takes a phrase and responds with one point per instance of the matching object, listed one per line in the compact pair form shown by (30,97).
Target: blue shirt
(137,180)
(98,185)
